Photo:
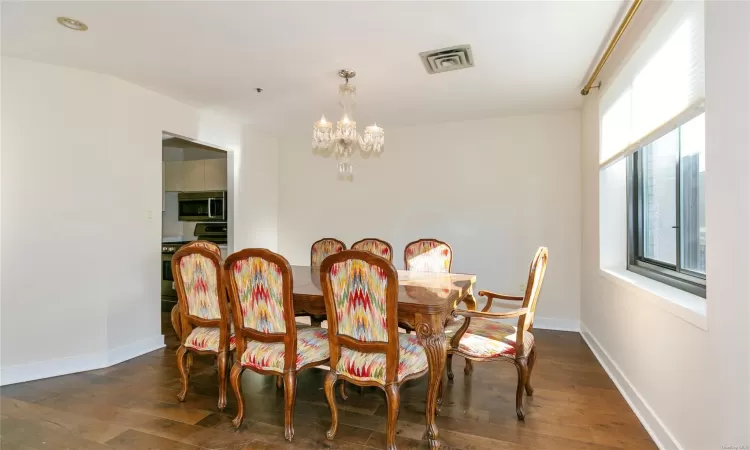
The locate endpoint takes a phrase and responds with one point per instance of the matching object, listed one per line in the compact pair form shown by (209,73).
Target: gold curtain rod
(612,43)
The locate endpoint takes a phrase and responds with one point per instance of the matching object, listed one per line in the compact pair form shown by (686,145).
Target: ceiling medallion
(345,139)
(73,24)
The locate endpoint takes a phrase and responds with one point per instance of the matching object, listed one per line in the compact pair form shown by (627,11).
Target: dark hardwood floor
(133,405)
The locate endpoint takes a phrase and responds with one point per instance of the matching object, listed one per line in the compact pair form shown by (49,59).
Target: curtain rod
(612,43)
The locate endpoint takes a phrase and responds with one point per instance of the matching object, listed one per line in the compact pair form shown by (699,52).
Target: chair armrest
(492,315)
(491,296)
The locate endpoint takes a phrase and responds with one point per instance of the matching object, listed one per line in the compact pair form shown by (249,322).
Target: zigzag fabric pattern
(428,256)
(375,247)
(324,248)
(312,346)
(371,366)
(207,245)
(259,285)
(199,277)
(205,338)
(359,296)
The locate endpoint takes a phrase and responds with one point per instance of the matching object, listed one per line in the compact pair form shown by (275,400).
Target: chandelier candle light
(345,139)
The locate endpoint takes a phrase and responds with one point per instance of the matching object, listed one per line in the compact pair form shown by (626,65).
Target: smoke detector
(446,59)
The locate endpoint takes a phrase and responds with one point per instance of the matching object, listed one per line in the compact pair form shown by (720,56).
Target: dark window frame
(672,275)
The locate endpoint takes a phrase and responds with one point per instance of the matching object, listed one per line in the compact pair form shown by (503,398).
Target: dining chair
(175,314)
(481,337)
(206,327)
(324,247)
(360,291)
(375,246)
(428,255)
(260,282)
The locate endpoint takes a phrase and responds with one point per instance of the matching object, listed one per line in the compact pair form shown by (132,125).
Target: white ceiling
(529,56)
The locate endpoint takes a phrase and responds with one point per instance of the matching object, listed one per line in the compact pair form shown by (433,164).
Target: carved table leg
(431,335)
(471,305)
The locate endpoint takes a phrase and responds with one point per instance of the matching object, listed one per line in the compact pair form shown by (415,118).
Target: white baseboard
(80,363)
(551,323)
(660,434)
(119,354)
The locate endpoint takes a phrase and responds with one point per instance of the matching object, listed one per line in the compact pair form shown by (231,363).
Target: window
(666,208)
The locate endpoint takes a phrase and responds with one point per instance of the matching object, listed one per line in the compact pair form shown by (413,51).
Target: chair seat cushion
(312,346)
(487,338)
(371,366)
(207,339)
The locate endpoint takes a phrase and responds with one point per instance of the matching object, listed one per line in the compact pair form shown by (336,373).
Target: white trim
(662,437)
(130,351)
(37,370)
(688,307)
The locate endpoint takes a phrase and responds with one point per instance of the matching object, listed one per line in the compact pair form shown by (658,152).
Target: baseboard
(660,434)
(130,351)
(80,363)
(551,323)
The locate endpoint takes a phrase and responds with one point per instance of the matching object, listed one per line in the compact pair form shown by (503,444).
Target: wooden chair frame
(406,247)
(317,320)
(390,247)
(289,337)
(184,354)
(525,315)
(174,316)
(390,348)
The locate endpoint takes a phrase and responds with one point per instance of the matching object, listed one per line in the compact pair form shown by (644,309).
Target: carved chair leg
(222,380)
(392,397)
(439,397)
(469,367)
(449,366)
(523,374)
(176,322)
(279,382)
(189,361)
(234,378)
(184,372)
(342,391)
(532,360)
(331,397)
(290,392)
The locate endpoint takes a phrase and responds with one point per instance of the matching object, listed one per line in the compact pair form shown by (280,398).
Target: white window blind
(659,87)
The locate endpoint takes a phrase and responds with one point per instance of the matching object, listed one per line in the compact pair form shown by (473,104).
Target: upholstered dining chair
(324,247)
(260,282)
(376,247)
(175,314)
(428,255)
(204,313)
(360,291)
(482,338)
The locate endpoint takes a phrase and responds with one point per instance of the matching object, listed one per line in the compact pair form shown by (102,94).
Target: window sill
(688,307)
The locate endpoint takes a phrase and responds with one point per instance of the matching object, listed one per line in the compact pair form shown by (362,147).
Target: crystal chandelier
(345,139)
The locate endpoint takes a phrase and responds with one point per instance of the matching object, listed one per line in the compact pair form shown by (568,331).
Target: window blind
(660,86)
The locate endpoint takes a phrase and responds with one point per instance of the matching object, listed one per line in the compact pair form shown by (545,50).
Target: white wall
(494,189)
(83,151)
(688,385)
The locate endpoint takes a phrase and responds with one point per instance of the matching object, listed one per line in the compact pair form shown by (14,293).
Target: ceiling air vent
(445,59)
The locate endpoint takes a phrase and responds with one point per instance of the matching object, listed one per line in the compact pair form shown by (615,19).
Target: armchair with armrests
(482,337)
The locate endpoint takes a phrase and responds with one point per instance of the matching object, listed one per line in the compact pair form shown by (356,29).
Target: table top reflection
(422,290)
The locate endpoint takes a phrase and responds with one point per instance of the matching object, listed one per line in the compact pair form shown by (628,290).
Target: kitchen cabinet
(194,176)
(215,174)
(173,176)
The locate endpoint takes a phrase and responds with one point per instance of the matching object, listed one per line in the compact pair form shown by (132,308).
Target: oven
(208,206)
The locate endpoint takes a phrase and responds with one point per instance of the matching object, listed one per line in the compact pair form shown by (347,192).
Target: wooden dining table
(425,302)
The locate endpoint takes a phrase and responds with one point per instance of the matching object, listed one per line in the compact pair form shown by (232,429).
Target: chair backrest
(259,283)
(205,244)
(428,255)
(199,283)
(361,298)
(376,247)
(324,247)
(533,288)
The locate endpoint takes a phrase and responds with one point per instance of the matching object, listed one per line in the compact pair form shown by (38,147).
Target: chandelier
(345,139)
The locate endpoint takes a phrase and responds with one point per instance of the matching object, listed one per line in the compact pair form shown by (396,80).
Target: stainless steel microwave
(209,206)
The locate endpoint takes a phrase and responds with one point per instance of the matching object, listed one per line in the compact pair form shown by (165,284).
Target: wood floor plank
(132,439)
